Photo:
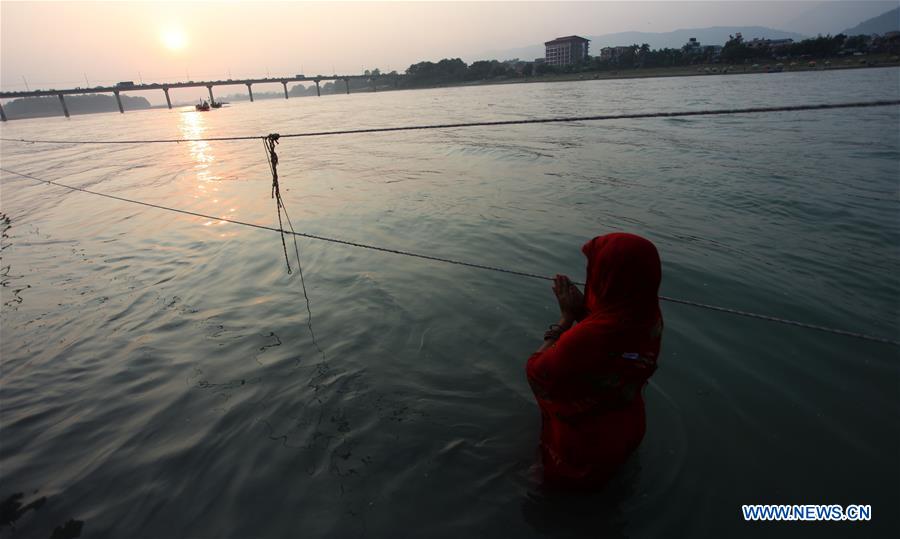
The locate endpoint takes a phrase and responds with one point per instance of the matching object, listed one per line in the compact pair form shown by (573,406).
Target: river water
(159,378)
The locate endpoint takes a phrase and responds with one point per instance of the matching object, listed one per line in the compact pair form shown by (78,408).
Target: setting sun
(174,39)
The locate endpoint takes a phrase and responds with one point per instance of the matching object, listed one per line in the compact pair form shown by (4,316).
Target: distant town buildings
(519,67)
(610,54)
(695,48)
(568,50)
(771,44)
(692,46)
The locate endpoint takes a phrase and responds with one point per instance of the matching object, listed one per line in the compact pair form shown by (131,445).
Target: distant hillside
(830,17)
(882,24)
(36,107)
(716,35)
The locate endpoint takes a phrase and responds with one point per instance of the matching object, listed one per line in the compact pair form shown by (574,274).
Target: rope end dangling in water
(270,141)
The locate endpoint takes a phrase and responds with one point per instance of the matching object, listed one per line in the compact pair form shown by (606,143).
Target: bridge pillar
(2,114)
(250,91)
(347,84)
(318,91)
(168,101)
(63,102)
(119,101)
(284,83)
(211,98)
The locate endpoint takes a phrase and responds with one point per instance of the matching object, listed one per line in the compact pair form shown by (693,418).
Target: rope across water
(806,325)
(596,118)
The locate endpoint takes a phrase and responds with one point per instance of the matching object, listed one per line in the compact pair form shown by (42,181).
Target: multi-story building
(567,50)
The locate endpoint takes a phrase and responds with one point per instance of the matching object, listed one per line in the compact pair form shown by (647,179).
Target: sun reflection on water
(205,187)
(193,127)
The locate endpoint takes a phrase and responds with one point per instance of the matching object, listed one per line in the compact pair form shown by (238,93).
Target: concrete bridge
(166,86)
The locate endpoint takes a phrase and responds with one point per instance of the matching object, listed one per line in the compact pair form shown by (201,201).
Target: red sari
(589,384)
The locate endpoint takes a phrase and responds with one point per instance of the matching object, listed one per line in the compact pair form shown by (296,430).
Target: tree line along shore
(703,70)
(736,56)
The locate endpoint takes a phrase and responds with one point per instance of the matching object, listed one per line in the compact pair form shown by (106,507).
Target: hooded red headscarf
(588,385)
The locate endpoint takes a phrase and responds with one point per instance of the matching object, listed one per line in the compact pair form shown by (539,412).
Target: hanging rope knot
(271,140)
(269,143)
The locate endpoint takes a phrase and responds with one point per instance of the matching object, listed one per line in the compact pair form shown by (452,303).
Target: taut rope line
(602,117)
(835,331)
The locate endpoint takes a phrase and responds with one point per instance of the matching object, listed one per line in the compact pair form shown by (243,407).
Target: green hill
(882,24)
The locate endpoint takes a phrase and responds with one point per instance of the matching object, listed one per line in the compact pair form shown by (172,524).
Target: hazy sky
(54,44)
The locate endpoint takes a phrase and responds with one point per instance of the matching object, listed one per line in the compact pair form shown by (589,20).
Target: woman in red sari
(589,374)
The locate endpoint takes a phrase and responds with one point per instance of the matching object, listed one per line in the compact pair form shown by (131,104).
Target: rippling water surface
(159,378)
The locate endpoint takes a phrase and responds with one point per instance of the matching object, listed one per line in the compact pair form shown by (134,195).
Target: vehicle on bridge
(125,84)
